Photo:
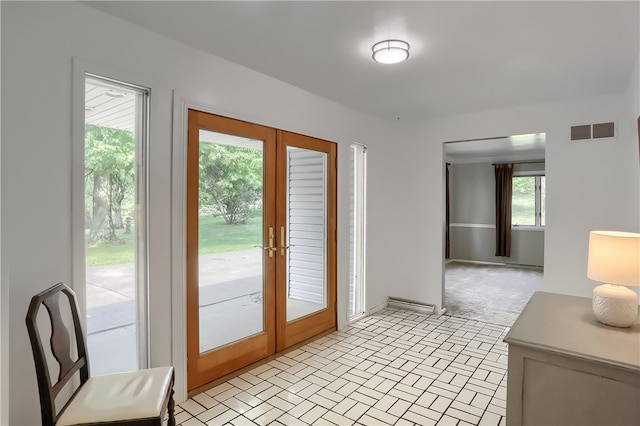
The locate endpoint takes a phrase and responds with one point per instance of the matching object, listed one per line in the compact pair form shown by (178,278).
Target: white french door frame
(181,104)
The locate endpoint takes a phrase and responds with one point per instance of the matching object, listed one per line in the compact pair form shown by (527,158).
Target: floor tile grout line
(418,396)
(450,333)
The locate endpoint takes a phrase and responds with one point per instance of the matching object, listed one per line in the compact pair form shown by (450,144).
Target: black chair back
(56,300)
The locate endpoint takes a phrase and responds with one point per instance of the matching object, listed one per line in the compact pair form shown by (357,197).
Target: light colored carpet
(491,293)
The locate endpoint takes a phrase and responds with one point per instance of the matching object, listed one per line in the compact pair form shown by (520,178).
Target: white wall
(4,299)
(39,41)
(590,185)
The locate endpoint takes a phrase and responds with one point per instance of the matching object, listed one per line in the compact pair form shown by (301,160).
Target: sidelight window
(115,143)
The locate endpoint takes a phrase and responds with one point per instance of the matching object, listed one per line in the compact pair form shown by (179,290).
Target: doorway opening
(477,283)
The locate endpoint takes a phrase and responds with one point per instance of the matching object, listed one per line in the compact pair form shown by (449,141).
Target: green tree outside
(230,194)
(230,181)
(523,201)
(109,181)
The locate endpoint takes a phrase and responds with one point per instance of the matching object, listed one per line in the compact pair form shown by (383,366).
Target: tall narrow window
(357,175)
(115,224)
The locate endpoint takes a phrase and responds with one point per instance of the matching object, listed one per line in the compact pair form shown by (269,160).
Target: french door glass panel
(115,224)
(307,237)
(230,258)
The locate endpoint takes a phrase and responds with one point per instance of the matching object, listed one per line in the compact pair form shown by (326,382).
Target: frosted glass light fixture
(390,51)
(614,259)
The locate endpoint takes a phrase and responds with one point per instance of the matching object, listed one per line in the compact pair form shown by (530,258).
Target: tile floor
(395,367)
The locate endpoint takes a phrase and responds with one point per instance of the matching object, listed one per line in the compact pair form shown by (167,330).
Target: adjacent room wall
(590,185)
(473,222)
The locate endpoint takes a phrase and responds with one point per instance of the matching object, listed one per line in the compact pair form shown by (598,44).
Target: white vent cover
(593,131)
(410,305)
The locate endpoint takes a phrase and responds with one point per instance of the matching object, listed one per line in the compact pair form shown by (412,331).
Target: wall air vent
(579,133)
(593,131)
(603,130)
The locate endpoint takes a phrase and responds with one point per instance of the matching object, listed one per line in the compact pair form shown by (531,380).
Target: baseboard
(522,266)
(412,306)
(477,262)
(423,308)
(376,309)
(511,265)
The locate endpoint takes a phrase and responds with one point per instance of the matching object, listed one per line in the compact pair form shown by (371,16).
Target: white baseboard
(478,262)
(376,309)
(423,308)
(481,262)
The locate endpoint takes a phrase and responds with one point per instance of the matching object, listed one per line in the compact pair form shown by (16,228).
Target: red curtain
(504,174)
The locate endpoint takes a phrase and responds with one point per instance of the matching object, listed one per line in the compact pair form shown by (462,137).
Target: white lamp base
(615,305)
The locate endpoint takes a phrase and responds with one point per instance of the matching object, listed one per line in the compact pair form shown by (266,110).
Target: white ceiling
(502,149)
(465,56)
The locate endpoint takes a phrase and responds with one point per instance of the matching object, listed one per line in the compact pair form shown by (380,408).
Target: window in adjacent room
(528,201)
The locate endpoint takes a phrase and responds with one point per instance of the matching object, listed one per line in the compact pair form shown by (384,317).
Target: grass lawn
(215,237)
(523,210)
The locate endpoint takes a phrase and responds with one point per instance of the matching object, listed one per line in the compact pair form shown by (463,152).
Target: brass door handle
(283,246)
(271,247)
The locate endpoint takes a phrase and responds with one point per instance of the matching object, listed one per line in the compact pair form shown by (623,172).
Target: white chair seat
(116,397)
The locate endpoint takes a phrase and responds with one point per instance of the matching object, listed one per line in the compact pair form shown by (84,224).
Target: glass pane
(307,236)
(543,204)
(352,231)
(114,226)
(523,201)
(356,230)
(230,220)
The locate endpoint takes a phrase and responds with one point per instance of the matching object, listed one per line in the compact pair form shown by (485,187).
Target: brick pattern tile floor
(395,367)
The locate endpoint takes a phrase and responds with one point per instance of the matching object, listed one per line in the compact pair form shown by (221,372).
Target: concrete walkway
(230,295)
(111,305)
(224,276)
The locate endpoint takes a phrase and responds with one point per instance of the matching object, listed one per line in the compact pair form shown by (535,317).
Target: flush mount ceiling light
(390,51)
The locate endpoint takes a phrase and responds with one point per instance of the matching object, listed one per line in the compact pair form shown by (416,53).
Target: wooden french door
(261,245)
(306,219)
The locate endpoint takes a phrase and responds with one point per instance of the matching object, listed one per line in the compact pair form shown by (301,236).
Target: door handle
(270,247)
(283,244)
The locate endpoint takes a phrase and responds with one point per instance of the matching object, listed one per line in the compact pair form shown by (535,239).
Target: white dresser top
(566,325)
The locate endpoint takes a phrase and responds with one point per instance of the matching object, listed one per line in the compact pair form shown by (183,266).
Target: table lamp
(614,259)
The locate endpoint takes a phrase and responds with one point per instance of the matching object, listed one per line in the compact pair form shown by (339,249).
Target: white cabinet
(566,368)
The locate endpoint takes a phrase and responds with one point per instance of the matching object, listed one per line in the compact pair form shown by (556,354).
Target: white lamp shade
(614,257)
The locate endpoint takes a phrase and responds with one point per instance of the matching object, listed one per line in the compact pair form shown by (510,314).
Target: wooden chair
(141,397)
